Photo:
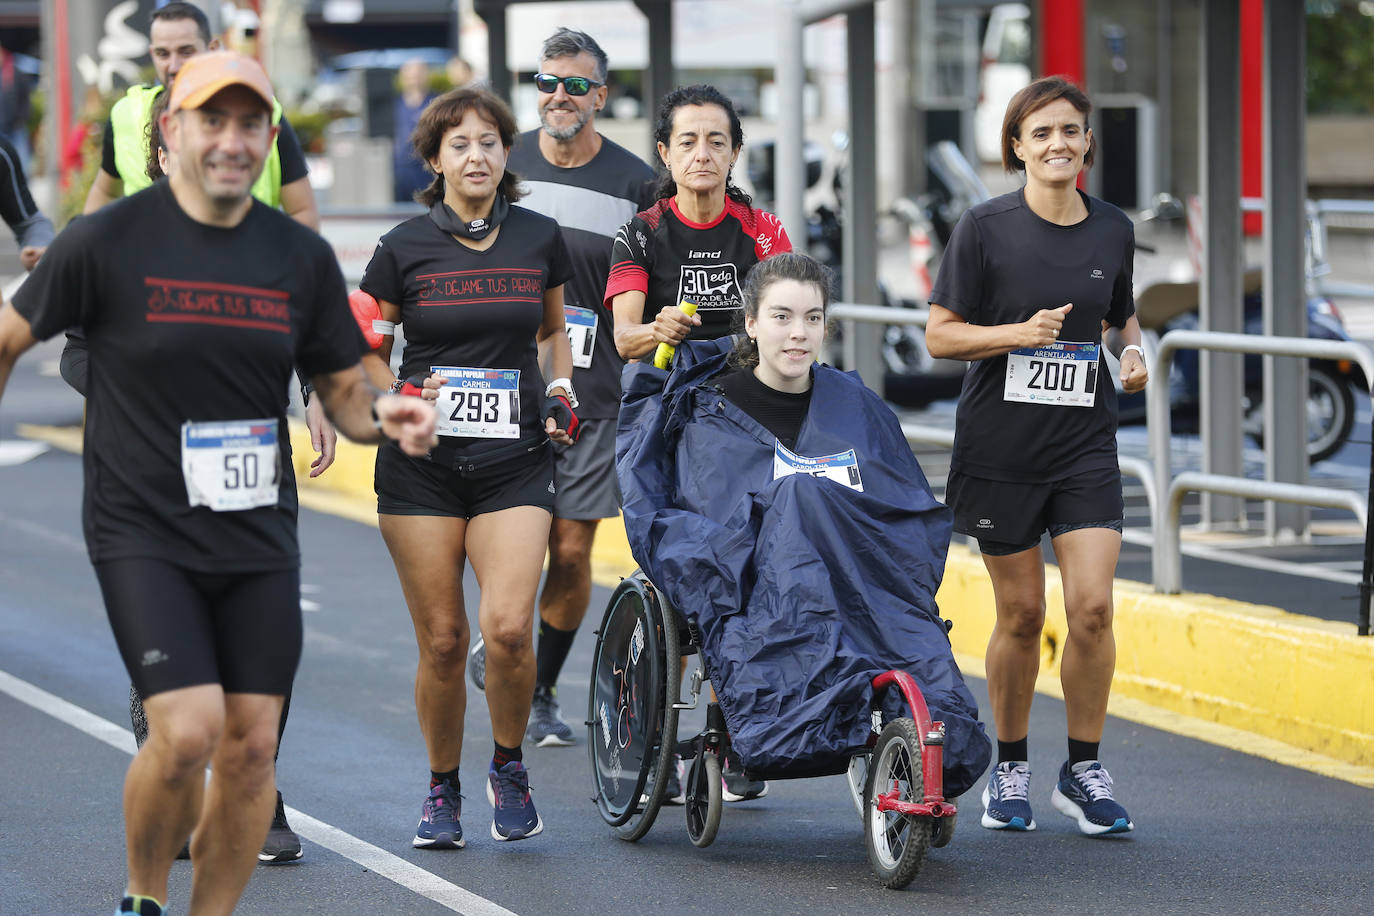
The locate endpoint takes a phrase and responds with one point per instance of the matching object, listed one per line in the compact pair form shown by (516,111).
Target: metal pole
(658,75)
(861,190)
(789,168)
(1222,307)
(1285,310)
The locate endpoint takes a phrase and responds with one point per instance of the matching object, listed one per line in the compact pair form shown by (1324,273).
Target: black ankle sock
(505,755)
(1013,750)
(1080,751)
(451,777)
(552,651)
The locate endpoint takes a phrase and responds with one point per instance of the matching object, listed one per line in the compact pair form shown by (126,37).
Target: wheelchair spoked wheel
(896,842)
(703,799)
(632,720)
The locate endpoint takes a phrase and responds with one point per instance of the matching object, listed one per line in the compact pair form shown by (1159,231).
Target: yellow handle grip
(664,354)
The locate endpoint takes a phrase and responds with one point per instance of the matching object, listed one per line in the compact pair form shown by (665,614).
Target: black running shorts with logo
(584,474)
(179,628)
(419,486)
(1009,517)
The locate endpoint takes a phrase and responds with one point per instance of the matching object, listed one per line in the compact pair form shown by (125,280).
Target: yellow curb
(1293,689)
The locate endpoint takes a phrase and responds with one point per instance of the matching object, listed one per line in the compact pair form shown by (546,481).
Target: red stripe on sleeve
(625,277)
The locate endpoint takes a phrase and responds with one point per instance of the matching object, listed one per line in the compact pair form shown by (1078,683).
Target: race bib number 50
(479,403)
(231,466)
(843,468)
(1060,374)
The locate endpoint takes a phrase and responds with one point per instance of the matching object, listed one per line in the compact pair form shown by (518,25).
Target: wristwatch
(1140,351)
(567,385)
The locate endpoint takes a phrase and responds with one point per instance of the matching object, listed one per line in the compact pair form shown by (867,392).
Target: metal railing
(1164,492)
(848,313)
(1167,556)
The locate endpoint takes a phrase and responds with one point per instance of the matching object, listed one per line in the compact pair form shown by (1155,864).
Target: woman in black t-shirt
(698,241)
(478,285)
(1032,285)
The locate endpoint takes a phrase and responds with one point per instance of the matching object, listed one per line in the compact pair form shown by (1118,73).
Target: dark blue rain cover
(804,589)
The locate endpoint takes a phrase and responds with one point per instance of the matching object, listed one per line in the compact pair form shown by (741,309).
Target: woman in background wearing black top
(1032,285)
(478,284)
(698,241)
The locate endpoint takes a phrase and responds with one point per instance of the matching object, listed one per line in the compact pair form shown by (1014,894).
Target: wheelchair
(896,781)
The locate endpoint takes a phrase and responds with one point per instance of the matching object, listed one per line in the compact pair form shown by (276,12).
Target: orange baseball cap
(206,74)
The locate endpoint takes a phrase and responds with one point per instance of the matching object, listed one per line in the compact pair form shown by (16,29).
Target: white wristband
(1137,348)
(567,385)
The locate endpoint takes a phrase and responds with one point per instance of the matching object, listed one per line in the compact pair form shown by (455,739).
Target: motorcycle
(1164,306)
(1331,384)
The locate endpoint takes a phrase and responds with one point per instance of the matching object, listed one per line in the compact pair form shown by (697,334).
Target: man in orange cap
(190,503)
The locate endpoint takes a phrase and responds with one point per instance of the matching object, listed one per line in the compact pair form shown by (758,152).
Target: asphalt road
(1218,831)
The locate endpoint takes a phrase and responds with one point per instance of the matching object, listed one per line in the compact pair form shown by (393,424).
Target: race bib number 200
(1060,374)
(843,468)
(231,466)
(479,403)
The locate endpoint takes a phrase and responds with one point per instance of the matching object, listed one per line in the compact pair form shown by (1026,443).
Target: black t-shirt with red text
(473,309)
(188,323)
(670,259)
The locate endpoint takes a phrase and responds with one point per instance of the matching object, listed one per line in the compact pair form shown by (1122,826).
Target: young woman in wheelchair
(775,504)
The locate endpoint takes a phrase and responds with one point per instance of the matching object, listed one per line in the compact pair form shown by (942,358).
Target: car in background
(1005,71)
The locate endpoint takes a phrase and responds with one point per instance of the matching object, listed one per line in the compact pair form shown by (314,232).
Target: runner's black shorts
(179,628)
(419,486)
(1008,517)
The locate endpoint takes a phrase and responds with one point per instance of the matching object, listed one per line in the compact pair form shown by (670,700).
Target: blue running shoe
(439,827)
(1004,799)
(508,790)
(1086,796)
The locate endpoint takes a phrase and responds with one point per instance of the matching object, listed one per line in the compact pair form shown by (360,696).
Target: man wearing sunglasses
(592,187)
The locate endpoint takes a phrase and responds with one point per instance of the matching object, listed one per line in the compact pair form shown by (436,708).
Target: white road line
(60,538)
(411,877)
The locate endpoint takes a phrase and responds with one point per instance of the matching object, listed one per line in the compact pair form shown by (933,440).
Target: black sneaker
(133,905)
(477,664)
(673,793)
(547,728)
(736,786)
(282,844)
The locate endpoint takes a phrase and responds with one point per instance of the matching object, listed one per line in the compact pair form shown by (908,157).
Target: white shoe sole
(419,843)
(1065,806)
(550,741)
(727,795)
(993,823)
(538,829)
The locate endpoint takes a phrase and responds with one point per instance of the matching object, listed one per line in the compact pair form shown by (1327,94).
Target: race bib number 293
(478,403)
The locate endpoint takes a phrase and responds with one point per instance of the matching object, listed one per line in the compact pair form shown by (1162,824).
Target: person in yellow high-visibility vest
(177,32)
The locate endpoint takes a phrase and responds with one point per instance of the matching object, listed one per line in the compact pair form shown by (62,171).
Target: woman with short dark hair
(1032,285)
(478,284)
(698,241)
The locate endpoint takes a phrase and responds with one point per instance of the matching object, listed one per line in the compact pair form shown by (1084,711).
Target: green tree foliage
(1340,56)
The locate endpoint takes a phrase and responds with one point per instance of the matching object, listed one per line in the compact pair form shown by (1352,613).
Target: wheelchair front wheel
(896,842)
(703,799)
(632,720)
